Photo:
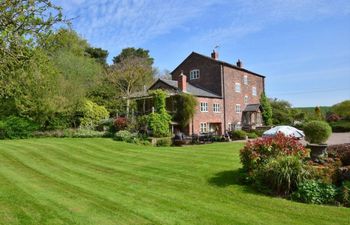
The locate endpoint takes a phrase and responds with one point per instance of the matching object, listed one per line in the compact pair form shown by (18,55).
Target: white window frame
(204,107)
(194,74)
(254,91)
(246,99)
(238,108)
(245,79)
(238,87)
(203,127)
(216,107)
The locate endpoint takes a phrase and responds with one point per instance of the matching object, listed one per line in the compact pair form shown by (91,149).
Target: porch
(251,117)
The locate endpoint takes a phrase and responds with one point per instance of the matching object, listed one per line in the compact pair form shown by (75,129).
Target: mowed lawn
(101,181)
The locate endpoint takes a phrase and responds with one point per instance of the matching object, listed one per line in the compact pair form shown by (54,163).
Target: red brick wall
(210,73)
(232,76)
(208,117)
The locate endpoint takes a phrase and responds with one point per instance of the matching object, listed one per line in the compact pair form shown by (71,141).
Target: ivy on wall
(159,120)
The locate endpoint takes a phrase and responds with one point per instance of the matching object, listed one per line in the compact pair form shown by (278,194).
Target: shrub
(92,114)
(317,131)
(120,123)
(260,151)
(252,135)
(311,191)
(86,133)
(238,134)
(340,126)
(281,175)
(124,135)
(344,195)
(341,151)
(163,142)
(14,127)
(259,133)
(70,133)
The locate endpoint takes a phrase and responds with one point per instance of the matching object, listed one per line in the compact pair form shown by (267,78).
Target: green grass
(100,181)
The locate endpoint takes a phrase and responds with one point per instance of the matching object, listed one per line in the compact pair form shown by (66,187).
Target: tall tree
(130,75)
(281,112)
(132,53)
(99,54)
(267,110)
(22,24)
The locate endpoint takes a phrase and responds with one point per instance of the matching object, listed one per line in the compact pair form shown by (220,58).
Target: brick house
(228,95)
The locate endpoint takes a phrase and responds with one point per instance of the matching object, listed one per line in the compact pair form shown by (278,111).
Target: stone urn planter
(317,133)
(317,151)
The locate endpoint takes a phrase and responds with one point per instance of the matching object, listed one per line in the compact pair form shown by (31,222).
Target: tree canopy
(132,53)
(267,110)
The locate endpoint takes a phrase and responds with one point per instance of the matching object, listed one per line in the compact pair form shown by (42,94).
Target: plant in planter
(317,133)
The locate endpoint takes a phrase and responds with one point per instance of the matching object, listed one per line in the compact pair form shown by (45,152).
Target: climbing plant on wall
(159,120)
(186,107)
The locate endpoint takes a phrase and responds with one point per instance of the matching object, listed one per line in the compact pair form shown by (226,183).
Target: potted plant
(317,133)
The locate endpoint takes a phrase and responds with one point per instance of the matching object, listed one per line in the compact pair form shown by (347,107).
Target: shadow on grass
(226,178)
(231,177)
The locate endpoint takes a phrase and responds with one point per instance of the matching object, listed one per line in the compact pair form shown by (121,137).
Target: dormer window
(194,74)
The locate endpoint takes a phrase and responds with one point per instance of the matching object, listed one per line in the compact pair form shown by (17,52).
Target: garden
(101,181)
(282,166)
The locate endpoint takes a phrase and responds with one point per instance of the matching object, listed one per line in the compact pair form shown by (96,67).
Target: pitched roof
(220,62)
(191,89)
(252,108)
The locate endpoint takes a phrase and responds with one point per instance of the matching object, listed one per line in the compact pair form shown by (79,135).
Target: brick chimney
(239,64)
(182,82)
(215,55)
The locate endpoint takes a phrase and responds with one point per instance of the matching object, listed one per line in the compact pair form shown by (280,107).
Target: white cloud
(124,23)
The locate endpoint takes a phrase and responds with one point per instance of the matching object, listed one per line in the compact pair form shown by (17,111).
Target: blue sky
(301,46)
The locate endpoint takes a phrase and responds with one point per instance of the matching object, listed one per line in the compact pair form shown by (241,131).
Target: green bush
(317,131)
(252,135)
(164,142)
(92,114)
(124,135)
(281,175)
(14,127)
(344,195)
(311,191)
(238,134)
(340,126)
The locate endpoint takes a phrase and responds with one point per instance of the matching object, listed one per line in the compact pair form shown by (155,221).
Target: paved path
(339,138)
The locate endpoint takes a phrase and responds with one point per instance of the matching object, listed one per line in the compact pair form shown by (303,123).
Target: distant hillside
(324,109)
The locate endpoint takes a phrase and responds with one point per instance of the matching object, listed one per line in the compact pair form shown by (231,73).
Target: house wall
(206,117)
(230,77)
(210,73)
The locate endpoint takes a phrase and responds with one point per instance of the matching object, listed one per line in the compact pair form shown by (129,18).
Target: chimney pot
(239,64)
(182,82)
(215,55)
